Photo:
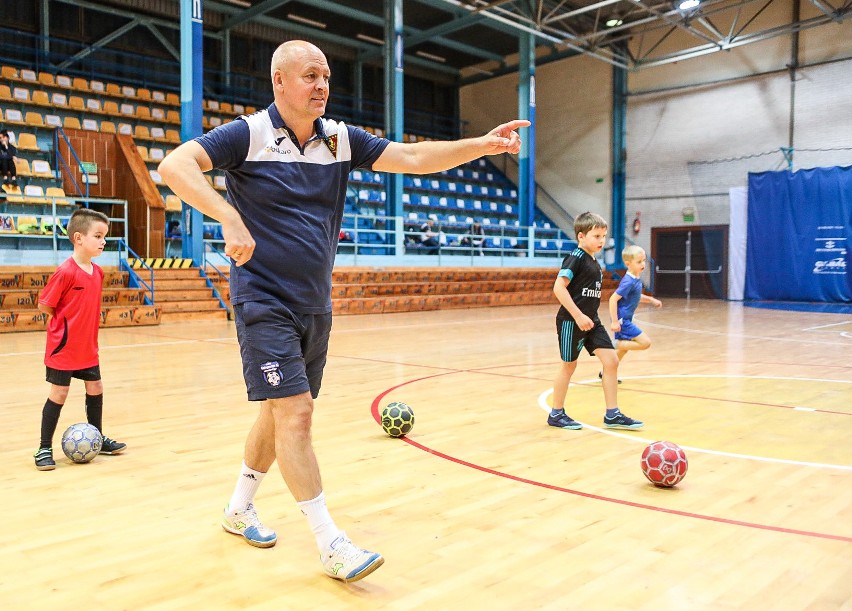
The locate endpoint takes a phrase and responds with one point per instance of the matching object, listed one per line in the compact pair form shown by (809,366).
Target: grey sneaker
(44,459)
(347,562)
(247,524)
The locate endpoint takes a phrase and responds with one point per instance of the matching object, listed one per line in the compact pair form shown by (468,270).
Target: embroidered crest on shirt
(331,143)
(271,373)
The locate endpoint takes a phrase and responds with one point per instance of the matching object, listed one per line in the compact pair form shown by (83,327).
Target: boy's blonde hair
(631,252)
(588,221)
(82,219)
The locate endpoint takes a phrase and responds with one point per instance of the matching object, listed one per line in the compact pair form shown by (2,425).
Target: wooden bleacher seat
(5,93)
(127,110)
(96,86)
(57,194)
(76,102)
(107,127)
(158,96)
(155,176)
(173,203)
(53,120)
(173,99)
(28,225)
(34,119)
(156,154)
(29,75)
(157,114)
(173,116)
(143,94)
(46,78)
(113,89)
(125,128)
(34,194)
(58,100)
(21,94)
(8,72)
(90,125)
(63,81)
(225,107)
(94,106)
(71,123)
(40,98)
(28,142)
(42,169)
(128,92)
(239,109)
(173,136)
(80,84)
(158,134)
(212,104)
(143,113)
(111,107)
(22,167)
(14,116)
(142,132)
(143,152)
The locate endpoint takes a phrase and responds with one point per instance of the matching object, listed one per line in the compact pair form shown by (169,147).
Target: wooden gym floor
(484,506)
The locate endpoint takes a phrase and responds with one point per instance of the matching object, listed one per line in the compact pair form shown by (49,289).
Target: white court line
(542,402)
(834,324)
(723,334)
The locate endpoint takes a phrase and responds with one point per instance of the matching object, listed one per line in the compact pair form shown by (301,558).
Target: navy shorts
(60,377)
(283,352)
(572,339)
(628,330)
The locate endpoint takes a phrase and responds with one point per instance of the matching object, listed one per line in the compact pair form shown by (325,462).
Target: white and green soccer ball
(81,442)
(397,419)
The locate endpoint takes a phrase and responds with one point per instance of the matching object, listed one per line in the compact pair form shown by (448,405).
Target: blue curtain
(799,234)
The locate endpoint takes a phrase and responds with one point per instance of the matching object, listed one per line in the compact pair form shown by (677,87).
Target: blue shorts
(572,339)
(628,330)
(283,352)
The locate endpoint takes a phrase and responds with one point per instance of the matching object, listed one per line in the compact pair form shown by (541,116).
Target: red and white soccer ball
(664,464)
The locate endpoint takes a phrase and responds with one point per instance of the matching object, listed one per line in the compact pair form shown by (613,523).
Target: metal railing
(135,278)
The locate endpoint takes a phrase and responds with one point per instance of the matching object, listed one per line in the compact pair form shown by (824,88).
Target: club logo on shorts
(271,373)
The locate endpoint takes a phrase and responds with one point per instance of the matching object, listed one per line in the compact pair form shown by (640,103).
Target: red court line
(790,531)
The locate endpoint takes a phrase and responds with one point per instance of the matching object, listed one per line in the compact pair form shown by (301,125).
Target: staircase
(181,292)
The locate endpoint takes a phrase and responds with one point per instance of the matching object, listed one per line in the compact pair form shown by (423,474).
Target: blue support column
(619,157)
(526,110)
(394,100)
(191,94)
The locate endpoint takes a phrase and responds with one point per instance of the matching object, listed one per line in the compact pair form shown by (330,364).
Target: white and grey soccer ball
(81,442)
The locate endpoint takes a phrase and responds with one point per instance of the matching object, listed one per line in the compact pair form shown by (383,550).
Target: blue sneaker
(620,421)
(247,524)
(347,562)
(564,421)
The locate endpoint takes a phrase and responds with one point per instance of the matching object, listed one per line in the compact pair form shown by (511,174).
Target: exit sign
(89,167)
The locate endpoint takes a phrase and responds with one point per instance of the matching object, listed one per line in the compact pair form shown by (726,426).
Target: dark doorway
(703,250)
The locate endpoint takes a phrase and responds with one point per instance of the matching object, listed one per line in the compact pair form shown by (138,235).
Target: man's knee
(293,413)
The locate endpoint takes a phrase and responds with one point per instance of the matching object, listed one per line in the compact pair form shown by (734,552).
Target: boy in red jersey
(72,301)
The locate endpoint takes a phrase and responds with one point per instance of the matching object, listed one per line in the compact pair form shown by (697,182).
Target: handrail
(133,273)
(56,133)
(205,263)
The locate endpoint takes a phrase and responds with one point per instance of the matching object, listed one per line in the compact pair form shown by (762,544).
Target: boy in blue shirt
(624,301)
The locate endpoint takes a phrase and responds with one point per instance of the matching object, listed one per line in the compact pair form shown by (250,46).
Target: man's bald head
(292,50)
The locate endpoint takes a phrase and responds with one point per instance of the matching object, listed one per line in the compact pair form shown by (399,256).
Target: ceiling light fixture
(686,5)
(306,21)
(436,58)
(614,22)
(365,38)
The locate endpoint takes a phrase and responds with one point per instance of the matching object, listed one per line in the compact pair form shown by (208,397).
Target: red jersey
(72,333)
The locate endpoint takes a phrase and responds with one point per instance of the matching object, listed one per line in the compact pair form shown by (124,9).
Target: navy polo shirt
(290,198)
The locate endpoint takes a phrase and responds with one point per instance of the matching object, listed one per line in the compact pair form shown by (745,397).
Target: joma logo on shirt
(275,149)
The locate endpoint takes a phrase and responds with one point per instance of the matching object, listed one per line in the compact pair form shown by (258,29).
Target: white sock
(246,488)
(322,525)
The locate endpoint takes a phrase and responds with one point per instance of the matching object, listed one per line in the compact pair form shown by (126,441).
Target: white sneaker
(247,524)
(346,561)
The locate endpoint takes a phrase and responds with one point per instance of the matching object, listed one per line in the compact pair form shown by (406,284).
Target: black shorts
(60,377)
(572,339)
(283,352)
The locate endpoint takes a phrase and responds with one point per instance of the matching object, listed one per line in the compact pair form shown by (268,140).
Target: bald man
(286,170)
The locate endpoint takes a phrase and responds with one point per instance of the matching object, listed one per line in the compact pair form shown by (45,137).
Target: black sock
(49,420)
(95,410)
